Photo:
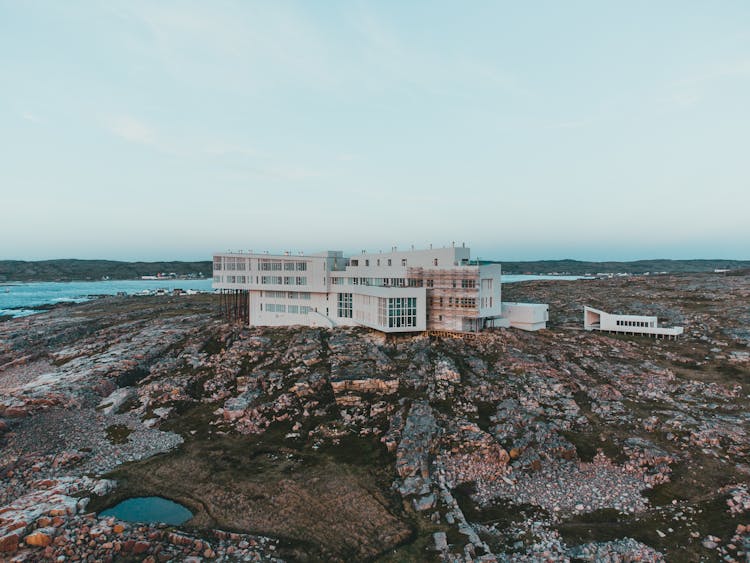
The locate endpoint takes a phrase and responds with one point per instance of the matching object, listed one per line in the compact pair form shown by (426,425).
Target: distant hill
(79,270)
(577,267)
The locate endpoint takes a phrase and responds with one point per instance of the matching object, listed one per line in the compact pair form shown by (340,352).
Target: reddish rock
(9,543)
(118,528)
(38,539)
(17,526)
(141,547)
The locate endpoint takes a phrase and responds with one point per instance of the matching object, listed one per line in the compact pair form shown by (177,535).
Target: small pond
(149,509)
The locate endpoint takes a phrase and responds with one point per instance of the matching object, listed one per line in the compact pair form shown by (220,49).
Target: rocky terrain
(305,444)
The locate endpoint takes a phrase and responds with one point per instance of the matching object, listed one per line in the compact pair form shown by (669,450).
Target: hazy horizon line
(499,260)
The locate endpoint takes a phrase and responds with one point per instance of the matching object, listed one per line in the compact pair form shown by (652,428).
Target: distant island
(579,268)
(89,270)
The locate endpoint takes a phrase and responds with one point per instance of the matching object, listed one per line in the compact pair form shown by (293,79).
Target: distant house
(594,319)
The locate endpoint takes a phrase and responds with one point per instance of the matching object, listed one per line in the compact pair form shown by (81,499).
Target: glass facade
(402,312)
(345,305)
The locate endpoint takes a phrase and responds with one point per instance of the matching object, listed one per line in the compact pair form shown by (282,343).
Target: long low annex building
(396,291)
(595,319)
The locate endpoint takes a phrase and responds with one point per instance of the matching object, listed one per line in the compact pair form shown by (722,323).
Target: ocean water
(510,278)
(17,299)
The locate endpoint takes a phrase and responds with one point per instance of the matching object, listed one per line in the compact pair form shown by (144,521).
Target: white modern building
(526,316)
(594,319)
(396,291)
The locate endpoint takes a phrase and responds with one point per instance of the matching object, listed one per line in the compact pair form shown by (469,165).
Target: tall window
(382,311)
(345,305)
(402,312)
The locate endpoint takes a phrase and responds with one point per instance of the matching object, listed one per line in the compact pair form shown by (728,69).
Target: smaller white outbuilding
(594,319)
(526,316)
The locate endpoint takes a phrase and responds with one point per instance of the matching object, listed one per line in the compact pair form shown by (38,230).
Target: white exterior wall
(594,319)
(263,315)
(315,275)
(489,299)
(446,257)
(367,303)
(526,316)
(609,321)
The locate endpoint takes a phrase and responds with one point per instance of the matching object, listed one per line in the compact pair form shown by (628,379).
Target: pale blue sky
(530,130)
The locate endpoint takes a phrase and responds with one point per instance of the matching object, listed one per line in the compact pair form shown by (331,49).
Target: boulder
(39,538)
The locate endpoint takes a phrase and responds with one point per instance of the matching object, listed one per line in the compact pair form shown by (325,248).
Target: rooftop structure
(594,319)
(396,291)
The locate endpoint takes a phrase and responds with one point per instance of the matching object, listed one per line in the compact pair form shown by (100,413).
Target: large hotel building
(397,291)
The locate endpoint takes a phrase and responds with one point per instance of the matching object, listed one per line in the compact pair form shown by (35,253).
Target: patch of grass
(212,346)
(118,433)
(500,511)
(588,443)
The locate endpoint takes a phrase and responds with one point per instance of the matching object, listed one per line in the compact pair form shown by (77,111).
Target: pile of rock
(35,517)
(468,454)
(623,550)
(413,455)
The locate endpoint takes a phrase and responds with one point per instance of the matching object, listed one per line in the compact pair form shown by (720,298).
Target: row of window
(267,280)
(400,282)
(266,265)
(459,302)
(281,308)
(387,261)
(465,283)
(634,323)
(283,280)
(287,294)
(232,263)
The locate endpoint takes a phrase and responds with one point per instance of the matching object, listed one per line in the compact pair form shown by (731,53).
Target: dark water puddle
(149,509)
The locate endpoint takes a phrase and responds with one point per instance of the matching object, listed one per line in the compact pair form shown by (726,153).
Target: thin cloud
(225,149)
(575,124)
(34,118)
(132,130)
